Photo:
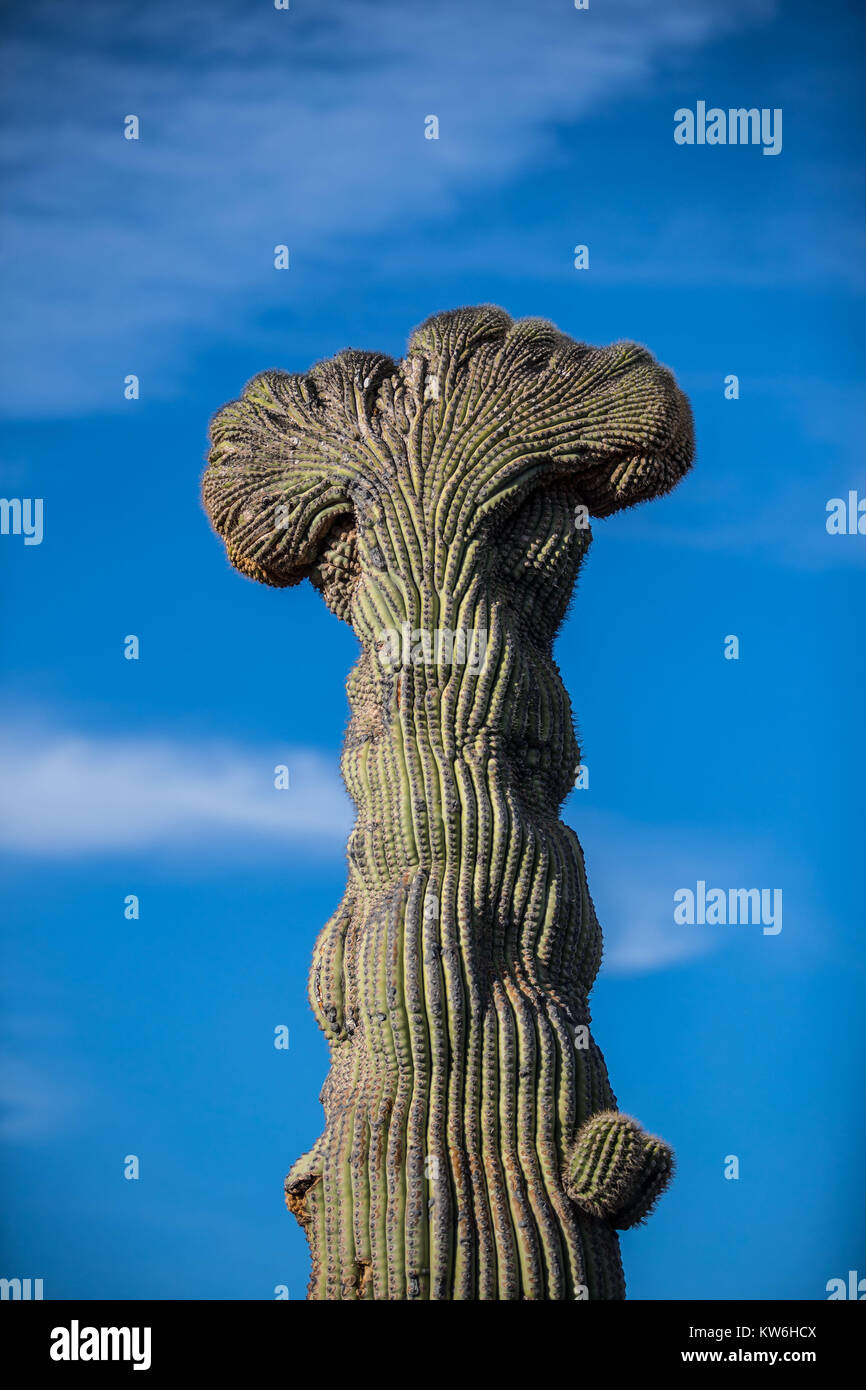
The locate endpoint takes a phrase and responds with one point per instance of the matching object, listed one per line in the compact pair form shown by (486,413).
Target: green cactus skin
(472,1145)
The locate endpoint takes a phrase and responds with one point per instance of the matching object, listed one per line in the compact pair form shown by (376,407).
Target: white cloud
(259,127)
(72,795)
(75,794)
(633,871)
(35,1102)
(637,942)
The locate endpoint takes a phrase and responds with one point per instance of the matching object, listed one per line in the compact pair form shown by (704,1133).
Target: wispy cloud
(69,796)
(259,127)
(634,869)
(76,794)
(638,941)
(36,1102)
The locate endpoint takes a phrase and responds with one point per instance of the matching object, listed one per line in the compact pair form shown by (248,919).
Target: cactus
(472,1144)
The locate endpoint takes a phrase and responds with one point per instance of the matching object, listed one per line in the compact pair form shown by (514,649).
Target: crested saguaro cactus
(472,1147)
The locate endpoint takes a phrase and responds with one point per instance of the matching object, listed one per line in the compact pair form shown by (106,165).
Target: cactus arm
(616,1171)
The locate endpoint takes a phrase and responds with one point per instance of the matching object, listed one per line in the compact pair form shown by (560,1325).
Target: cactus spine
(472,1144)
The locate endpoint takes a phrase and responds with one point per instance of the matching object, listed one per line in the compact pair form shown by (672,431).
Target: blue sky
(155,777)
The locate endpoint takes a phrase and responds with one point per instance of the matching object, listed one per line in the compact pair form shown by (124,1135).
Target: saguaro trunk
(472,1145)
